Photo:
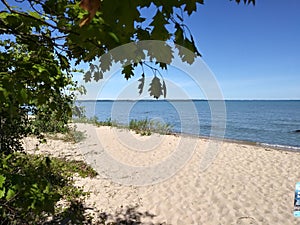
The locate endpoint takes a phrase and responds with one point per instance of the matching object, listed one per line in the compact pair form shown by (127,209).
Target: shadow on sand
(76,214)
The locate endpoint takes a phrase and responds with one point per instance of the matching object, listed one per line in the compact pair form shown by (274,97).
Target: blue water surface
(267,122)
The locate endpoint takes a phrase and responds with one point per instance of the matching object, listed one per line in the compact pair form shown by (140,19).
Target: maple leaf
(128,71)
(155,88)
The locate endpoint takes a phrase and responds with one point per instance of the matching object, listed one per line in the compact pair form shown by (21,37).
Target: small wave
(283,147)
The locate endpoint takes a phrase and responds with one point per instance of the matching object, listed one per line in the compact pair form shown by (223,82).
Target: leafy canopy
(84,31)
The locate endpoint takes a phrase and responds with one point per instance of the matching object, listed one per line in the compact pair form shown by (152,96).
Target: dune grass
(142,127)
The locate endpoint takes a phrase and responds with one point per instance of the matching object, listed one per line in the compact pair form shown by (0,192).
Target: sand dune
(243,184)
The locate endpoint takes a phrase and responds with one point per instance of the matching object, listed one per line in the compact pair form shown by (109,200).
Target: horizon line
(193,99)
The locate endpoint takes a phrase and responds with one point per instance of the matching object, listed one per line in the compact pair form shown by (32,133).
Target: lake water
(265,122)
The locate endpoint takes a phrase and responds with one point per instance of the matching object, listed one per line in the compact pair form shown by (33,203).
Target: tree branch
(61,29)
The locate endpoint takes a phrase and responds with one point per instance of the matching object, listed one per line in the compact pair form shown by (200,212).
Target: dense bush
(31,186)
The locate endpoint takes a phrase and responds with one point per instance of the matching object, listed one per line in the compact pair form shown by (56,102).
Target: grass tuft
(142,127)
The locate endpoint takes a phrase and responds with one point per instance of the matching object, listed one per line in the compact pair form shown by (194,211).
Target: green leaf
(142,34)
(159,31)
(155,88)
(87,76)
(185,55)
(47,189)
(35,15)
(191,6)
(114,37)
(2,180)
(3,15)
(142,83)
(92,67)
(98,75)
(128,71)
(179,38)
(188,56)
(162,65)
(105,62)
(91,55)
(4,92)
(23,93)
(40,68)
(63,61)
(2,193)
(10,193)
(162,52)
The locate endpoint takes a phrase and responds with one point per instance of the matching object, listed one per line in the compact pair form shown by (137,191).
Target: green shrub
(95,121)
(140,126)
(30,186)
(146,127)
(108,122)
(74,135)
(49,123)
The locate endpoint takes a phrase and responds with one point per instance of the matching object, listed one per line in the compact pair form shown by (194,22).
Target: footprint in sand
(246,221)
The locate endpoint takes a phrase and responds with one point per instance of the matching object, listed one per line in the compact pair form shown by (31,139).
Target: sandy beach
(161,179)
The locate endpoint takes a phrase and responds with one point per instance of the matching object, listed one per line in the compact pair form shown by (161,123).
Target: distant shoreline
(180,100)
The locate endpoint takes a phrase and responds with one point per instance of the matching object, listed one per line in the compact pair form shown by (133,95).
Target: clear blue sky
(253,51)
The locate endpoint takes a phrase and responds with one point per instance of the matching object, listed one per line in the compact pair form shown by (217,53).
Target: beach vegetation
(142,126)
(95,121)
(72,135)
(147,127)
(31,187)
